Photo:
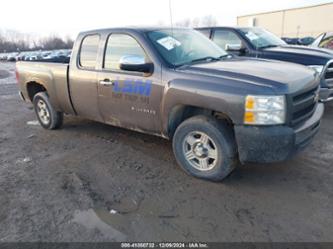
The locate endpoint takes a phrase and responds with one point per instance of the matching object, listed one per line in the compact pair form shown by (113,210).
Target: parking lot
(93,182)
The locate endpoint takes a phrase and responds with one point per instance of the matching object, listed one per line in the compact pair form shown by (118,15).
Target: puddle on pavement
(117,220)
(127,205)
(101,220)
(130,218)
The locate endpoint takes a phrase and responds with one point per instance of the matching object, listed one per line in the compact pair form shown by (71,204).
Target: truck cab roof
(140,29)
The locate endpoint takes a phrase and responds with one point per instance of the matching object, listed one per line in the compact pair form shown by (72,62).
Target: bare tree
(208,20)
(195,22)
(13,41)
(184,23)
(69,42)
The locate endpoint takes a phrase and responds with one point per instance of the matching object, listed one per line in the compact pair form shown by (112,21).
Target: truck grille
(304,105)
(329,75)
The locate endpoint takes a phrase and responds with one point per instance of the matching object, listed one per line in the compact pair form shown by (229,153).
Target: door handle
(106,82)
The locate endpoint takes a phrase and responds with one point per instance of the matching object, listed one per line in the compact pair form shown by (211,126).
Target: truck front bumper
(267,144)
(326,94)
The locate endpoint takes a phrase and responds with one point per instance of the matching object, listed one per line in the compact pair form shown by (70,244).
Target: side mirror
(233,47)
(135,63)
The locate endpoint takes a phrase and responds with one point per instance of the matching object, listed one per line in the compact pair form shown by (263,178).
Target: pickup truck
(259,43)
(217,109)
(324,41)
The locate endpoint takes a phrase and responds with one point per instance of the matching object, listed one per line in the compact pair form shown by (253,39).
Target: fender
(46,80)
(196,94)
(45,77)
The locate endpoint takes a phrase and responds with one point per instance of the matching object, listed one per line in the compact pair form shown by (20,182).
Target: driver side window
(224,37)
(119,45)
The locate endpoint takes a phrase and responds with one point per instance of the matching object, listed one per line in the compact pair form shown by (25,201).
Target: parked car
(29,56)
(20,56)
(290,41)
(57,56)
(325,40)
(35,56)
(12,57)
(25,56)
(3,57)
(68,53)
(305,41)
(177,84)
(45,54)
(259,43)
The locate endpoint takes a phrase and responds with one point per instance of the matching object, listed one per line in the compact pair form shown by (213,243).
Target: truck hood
(305,55)
(279,76)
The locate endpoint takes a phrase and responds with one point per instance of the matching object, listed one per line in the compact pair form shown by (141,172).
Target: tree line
(13,41)
(196,22)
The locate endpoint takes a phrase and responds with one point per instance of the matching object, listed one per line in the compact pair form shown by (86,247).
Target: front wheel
(205,148)
(47,116)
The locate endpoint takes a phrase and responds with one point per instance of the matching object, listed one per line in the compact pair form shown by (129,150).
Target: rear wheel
(205,148)
(47,116)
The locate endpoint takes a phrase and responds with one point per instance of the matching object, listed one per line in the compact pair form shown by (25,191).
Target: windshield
(184,46)
(261,38)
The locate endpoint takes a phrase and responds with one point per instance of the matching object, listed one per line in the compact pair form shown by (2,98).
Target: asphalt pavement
(94,182)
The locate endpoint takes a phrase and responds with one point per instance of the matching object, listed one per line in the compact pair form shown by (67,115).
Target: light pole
(298,29)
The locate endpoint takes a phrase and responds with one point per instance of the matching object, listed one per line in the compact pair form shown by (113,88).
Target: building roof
(281,10)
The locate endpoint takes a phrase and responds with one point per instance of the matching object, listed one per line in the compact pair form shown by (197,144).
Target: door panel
(83,87)
(125,98)
(83,79)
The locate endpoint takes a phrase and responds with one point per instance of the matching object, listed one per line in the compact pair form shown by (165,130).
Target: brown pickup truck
(218,109)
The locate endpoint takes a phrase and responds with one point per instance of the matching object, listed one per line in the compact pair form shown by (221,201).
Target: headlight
(265,110)
(317,68)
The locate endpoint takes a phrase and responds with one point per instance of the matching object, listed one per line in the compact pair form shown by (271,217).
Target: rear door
(128,99)
(83,78)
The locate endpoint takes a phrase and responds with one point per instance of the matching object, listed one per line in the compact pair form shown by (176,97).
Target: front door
(125,97)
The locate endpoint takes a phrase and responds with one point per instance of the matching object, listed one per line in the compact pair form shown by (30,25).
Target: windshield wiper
(208,59)
(204,59)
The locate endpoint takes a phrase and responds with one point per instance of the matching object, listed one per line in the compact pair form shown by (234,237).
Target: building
(297,22)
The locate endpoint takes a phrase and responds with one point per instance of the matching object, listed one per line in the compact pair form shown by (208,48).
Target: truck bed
(53,76)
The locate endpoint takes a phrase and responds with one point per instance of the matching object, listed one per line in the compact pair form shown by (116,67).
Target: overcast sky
(68,17)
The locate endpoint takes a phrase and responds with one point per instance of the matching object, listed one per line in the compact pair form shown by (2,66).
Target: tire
(48,117)
(205,148)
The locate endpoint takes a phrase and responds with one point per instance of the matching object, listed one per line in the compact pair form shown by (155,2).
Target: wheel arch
(180,113)
(34,87)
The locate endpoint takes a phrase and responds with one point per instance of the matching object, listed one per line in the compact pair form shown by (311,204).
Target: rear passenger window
(118,46)
(89,49)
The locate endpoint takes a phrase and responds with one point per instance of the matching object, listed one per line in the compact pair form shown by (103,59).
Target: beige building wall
(299,22)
